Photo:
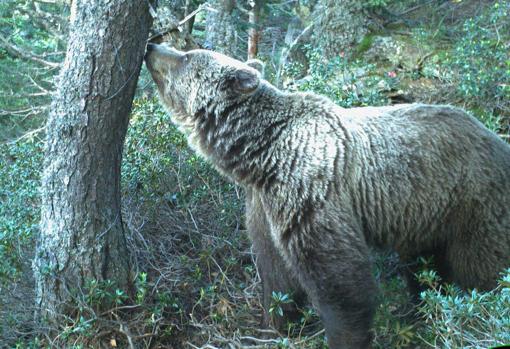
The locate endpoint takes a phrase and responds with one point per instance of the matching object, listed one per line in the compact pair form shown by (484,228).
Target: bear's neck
(239,137)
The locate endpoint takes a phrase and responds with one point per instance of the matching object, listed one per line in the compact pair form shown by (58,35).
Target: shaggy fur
(329,182)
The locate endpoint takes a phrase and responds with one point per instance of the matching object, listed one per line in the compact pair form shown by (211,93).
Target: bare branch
(193,14)
(286,52)
(43,20)
(17,52)
(26,135)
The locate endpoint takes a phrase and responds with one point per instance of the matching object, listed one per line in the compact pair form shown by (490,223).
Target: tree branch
(193,14)
(286,52)
(17,52)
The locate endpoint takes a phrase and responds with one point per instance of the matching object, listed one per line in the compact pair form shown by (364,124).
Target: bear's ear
(246,81)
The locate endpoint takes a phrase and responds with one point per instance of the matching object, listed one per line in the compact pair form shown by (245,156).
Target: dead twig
(17,52)
(286,52)
(193,14)
(26,135)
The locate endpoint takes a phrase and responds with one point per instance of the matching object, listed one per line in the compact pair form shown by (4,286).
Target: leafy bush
(481,65)
(394,325)
(20,166)
(455,319)
(349,84)
(159,168)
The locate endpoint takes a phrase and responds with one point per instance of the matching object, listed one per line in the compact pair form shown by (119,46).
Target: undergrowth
(457,319)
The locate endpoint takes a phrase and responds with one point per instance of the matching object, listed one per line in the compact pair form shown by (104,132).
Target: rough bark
(341,25)
(82,236)
(221,34)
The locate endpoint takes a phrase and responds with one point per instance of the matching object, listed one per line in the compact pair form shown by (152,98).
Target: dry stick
(47,1)
(414,8)
(183,21)
(207,346)
(287,52)
(26,135)
(192,14)
(125,331)
(42,89)
(422,59)
(15,51)
(27,111)
(259,340)
(25,95)
(312,336)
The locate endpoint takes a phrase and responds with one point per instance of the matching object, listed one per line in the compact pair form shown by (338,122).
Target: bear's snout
(164,52)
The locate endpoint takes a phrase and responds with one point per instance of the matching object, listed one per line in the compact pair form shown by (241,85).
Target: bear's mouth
(156,72)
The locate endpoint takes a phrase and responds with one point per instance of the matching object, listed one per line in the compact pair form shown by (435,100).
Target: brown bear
(324,183)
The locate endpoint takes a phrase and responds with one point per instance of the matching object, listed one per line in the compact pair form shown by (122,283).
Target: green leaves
(456,319)
(278,299)
(347,83)
(141,287)
(20,166)
(481,64)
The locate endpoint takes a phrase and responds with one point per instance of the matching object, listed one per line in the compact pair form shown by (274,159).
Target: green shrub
(481,64)
(159,167)
(455,319)
(20,166)
(349,84)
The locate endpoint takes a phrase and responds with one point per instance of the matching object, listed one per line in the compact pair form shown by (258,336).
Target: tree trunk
(82,236)
(254,32)
(342,25)
(221,34)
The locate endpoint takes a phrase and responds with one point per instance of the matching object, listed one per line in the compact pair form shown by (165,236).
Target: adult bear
(329,182)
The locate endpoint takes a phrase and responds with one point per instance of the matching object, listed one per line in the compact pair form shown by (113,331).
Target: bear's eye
(185,58)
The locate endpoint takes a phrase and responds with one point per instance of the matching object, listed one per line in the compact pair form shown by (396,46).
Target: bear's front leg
(332,261)
(273,272)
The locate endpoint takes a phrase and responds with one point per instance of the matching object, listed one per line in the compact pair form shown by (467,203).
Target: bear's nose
(164,51)
(151,47)
(154,48)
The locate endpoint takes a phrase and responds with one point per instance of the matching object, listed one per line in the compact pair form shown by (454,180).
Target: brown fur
(325,183)
(273,273)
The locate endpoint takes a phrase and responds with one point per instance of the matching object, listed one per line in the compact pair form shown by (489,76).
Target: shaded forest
(193,281)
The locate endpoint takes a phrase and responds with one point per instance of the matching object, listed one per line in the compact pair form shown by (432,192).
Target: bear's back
(419,167)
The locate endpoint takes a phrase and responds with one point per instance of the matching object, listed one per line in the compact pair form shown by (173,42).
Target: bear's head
(199,80)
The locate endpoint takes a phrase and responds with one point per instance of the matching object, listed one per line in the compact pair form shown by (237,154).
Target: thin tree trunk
(187,11)
(82,236)
(254,32)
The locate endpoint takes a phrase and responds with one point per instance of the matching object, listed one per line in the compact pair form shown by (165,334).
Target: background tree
(341,25)
(220,32)
(82,236)
(254,29)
